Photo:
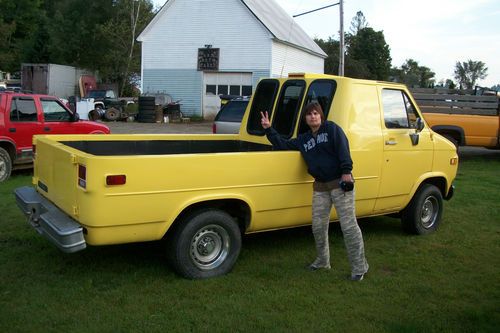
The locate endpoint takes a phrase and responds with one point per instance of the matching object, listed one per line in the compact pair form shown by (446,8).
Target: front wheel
(5,165)
(204,245)
(423,214)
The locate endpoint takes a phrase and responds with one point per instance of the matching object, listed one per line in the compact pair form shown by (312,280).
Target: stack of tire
(147,109)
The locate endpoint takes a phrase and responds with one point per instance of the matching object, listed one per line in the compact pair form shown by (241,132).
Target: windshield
(97,94)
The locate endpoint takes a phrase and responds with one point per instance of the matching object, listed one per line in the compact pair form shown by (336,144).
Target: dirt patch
(121,127)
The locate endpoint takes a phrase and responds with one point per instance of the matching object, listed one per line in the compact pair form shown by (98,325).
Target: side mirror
(419,125)
(75,117)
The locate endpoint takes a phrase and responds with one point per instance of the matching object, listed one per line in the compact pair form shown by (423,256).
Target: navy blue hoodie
(327,155)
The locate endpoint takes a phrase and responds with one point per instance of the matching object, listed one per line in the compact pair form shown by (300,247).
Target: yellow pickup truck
(200,193)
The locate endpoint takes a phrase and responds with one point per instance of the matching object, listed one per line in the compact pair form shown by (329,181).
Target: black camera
(346,186)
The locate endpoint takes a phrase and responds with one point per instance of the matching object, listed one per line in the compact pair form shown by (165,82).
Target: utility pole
(341,42)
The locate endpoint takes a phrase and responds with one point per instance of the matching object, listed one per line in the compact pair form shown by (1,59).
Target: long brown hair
(314,106)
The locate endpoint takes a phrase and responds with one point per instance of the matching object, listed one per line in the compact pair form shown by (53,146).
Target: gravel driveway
(122,127)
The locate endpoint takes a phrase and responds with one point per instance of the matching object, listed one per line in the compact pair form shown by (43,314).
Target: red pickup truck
(24,115)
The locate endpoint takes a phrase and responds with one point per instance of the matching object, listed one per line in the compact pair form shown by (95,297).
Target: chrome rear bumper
(50,221)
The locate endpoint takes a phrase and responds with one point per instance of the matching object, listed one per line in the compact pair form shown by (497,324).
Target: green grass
(445,282)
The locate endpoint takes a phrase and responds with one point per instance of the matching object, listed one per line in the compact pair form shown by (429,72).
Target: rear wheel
(423,214)
(5,165)
(206,244)
(112,114)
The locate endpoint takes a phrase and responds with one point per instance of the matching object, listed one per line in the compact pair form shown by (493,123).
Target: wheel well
(236,208)
(455,132)
(9,147)
(439,182)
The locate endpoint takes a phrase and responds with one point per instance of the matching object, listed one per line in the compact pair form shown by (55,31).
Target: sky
(435,33)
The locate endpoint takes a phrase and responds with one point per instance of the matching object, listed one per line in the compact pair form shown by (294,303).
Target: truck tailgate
(55,173)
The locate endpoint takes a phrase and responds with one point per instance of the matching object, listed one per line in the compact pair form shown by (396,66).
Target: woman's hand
(264,120)
(347,177)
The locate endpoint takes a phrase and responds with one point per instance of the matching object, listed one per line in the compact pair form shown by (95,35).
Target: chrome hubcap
(3,168)
(209,247)
(429,212)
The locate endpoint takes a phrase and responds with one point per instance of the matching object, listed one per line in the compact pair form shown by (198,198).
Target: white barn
(195,50)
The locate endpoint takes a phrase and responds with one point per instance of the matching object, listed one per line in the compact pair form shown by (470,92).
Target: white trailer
(51,79)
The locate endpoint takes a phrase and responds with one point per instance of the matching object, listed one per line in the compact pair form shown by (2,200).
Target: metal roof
(281,25)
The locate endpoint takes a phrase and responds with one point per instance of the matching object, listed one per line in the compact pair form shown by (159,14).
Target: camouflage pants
(353,239)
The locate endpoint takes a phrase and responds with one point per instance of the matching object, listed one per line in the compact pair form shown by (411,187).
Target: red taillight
(214,128)
(82,176)
(116,180)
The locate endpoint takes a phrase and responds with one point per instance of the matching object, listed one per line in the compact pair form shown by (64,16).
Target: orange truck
(464,118)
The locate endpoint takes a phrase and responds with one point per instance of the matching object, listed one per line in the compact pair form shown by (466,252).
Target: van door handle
(46,129)
(12,130)
(391,143)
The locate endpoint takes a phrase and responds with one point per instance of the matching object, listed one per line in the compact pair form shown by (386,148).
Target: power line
(315,10)
(341,42)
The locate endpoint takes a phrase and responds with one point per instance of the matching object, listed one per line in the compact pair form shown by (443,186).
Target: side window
(222,89)
(23,109)
(263,100)
(288,107)
(53,111)
(321,91)
(211,89)
(246,90)
(398,110)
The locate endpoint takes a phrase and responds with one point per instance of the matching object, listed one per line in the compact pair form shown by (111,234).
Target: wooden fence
(455,102)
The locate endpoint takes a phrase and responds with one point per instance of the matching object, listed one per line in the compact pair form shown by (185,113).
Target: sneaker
(357,277)
(314,267)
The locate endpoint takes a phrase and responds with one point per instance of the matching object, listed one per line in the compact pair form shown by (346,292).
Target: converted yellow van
(201,192)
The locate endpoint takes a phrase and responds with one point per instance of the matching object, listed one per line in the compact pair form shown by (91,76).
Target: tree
(332,49)
(413,75)
(18,24)
(468,73)
(119,33)
(368,55)
(358,22)
(93,34)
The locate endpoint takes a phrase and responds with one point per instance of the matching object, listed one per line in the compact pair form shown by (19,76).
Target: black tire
(147,104)
(147,112)
(423,214)
(112,114)
(206,244)
(5,165)
(146,119)
(147,101)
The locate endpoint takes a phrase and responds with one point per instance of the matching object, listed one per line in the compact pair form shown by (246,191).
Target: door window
(399,112)
(23,109)
(53,111)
